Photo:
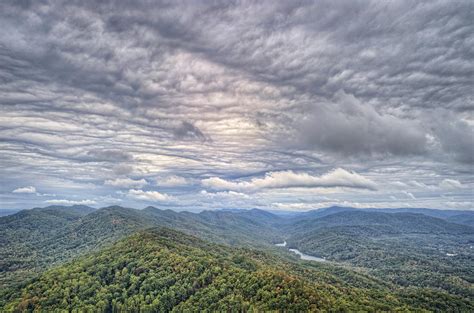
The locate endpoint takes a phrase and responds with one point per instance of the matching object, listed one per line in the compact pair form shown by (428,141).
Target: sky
(201,105)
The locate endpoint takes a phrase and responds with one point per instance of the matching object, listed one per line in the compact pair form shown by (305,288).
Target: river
(301,254)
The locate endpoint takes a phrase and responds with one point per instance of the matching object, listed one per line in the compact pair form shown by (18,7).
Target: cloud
(29,189)
(93,92)
(122,169)
(295,206)
(456,138)
(288,179)
(412,184)
(450,184)
(71,202)
(409,195)
(186,130)
(109,155)
(126,182)
(148,195)
(349,127)
(171,181)
(224,194)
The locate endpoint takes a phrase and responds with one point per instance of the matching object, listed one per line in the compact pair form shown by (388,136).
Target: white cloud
(399,184)
(287,179)
(414,183)
(29,189)
(295,206)
(148,195)
(171,181)
(71,202)
(126,182)
(409,195)
(224,194)
(450,184)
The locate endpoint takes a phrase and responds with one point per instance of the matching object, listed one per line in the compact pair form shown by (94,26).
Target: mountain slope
(394,223)
(402,248)
(22,237)
(463,218)
(163,270)
(33,240)
(6,212)
(405,248)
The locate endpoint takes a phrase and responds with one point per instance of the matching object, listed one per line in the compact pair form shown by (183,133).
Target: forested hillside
(163,270)
(33,240)
(407,248)
(396,260)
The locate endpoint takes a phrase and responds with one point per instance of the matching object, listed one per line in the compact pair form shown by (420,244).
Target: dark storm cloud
(95,90)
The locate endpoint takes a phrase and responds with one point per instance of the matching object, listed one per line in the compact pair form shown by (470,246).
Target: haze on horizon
(290,105)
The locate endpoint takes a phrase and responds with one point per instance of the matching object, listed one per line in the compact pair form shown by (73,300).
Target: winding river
(301,254)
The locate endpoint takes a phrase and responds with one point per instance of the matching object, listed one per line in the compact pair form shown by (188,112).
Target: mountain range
(408,259)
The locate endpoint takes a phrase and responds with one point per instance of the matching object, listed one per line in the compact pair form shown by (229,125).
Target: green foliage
(33,240)
(164,270)
(403,248)
(379,261)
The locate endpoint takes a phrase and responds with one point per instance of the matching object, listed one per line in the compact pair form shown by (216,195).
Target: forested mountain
(42,237)
(412,255)
(444,214)
(6,212)
(466,218)
(163,270)
(408,249)
(385,223)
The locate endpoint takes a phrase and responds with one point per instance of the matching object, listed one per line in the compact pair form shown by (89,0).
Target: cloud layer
(138,101)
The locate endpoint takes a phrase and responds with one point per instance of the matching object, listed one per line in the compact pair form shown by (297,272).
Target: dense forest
(163,270)
(115,258)
(406,248)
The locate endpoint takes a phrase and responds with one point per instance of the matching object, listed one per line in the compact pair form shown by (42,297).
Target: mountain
(324,212)
(444,214)
(403,250)
(164,270)
(73,210)
(32,240)
(466,218)
(375,222)
(5,212)
(406,248)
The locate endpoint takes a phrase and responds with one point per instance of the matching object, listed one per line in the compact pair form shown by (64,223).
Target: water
(306,256)
(301,254)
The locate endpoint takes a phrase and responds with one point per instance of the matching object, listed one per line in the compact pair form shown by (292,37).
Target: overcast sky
(289,105)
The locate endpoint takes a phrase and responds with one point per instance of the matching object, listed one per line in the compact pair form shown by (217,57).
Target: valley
(406,254)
